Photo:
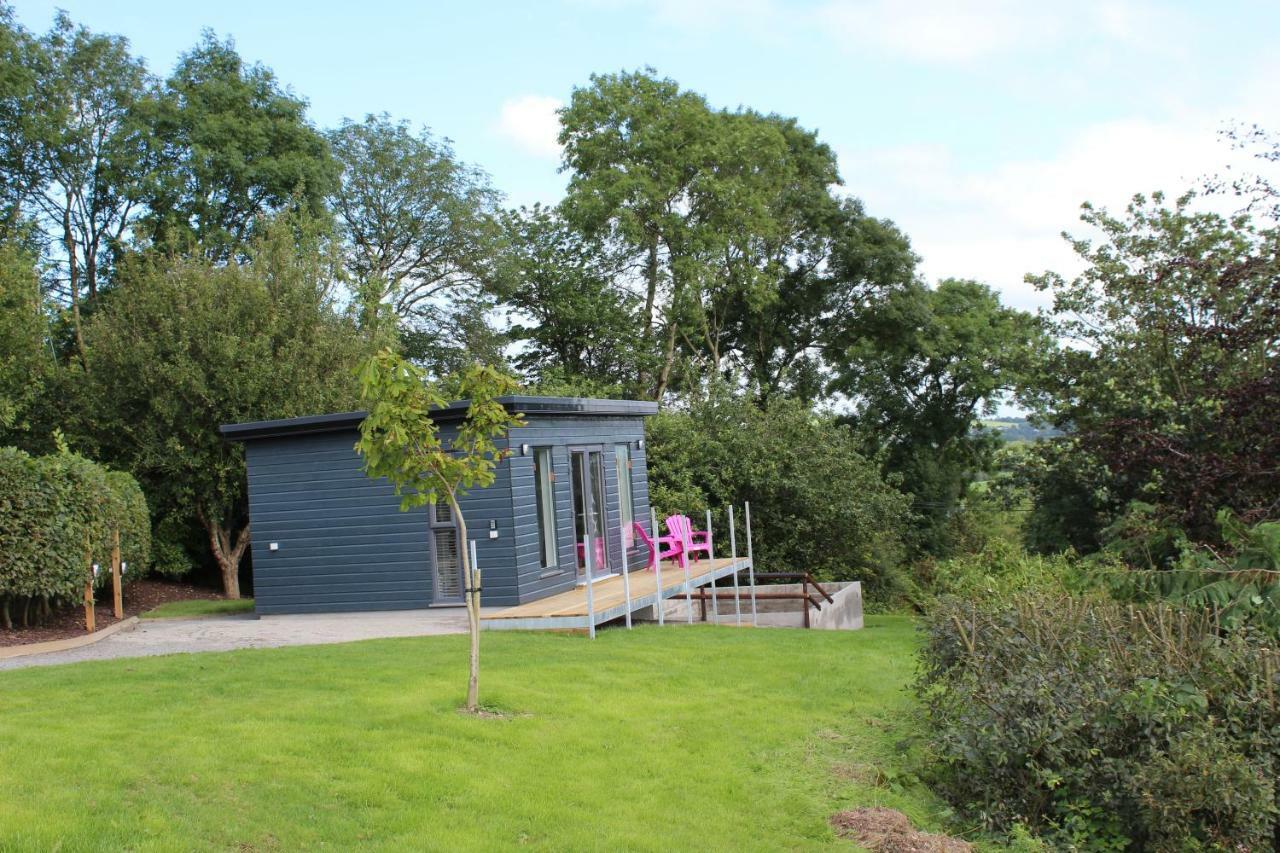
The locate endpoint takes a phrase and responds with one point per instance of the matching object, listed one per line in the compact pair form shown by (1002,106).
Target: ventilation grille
(448,567)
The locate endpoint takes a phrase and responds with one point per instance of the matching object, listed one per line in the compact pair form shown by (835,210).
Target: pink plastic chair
(692,542)
(598,548)
(665,548)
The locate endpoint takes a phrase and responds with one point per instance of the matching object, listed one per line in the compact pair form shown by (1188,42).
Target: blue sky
(979,127)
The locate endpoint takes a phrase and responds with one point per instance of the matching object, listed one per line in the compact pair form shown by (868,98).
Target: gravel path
(179,636)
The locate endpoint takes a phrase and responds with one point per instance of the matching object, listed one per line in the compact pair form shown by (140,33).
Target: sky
(978,127)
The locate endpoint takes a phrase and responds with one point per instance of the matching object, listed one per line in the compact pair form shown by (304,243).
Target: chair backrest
(643,535)
(681,528)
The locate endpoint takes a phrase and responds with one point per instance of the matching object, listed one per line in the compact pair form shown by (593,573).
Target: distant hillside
(1018,429)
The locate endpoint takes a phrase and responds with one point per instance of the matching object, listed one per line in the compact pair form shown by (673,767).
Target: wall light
(524,450)
(640,444)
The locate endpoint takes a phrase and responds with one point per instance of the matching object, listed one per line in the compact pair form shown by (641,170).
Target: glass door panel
(587,475)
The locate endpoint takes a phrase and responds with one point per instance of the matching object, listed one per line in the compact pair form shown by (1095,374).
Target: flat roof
(522,403)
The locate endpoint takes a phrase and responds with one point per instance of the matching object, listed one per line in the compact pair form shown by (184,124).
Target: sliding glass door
(587,476)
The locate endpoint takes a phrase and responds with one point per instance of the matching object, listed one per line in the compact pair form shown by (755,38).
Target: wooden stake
(88,587)
(115,575)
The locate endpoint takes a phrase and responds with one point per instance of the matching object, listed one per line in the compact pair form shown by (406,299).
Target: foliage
(25,362)
(816,504)
(584,325)
(60,513)
(417,223)
(184,346)
(1102,725)
(1239,584)
(997,572)
(923,364)
(1171,379)
(234,147)
(94,149)
(746,257)
(400,440)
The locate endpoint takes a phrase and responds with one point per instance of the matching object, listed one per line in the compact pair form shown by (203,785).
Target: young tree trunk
(4,613)
(668,361)
(473,608)
(227,550)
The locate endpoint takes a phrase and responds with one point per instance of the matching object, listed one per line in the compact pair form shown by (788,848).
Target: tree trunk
(668,361)
(73,284)
(225,552)
(473,608)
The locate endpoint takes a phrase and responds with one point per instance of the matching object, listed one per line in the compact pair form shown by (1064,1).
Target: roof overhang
(520,403)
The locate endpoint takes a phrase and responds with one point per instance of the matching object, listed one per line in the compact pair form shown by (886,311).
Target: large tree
(637,148)
(417,222)
(923,364)
(1170,377)
(747,258)
(22,61)
(573,320)
(233,145)
(185,345)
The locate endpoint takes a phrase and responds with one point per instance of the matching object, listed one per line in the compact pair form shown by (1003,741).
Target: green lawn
(199,607)
(655,739)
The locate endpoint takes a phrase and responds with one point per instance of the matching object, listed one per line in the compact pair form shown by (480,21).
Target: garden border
(9,652)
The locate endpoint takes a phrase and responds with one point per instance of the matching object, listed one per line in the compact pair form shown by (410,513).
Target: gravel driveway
(220,634)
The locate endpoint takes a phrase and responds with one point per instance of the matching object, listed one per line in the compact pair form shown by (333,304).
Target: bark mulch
(139,596)
(889,831)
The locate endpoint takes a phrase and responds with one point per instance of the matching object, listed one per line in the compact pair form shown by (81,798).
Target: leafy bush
(58,514)
(1240,584)
(1001,569)
(816,503)
(1103,725)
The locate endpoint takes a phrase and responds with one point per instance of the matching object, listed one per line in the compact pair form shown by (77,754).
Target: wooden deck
(569,611)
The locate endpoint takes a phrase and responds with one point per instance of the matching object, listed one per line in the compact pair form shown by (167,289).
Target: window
(544,484)
(622,455)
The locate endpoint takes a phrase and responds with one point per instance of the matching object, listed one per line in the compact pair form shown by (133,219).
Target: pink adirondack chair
(665,548)
(692,542)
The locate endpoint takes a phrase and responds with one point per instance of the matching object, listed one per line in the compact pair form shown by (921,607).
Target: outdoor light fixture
(640,444)
(524,450)
(493,525)
(274,546)
(124,567)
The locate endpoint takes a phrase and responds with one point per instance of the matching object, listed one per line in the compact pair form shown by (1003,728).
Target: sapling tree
(400,440)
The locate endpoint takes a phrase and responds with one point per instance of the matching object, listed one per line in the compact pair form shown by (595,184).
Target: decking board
(568,610)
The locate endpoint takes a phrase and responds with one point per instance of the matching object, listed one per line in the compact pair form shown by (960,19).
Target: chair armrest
(699,536)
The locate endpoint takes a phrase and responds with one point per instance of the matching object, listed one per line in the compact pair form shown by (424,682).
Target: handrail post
(591,592)
(733,555)
(751,565)
(804,587)
(715,602)
(626,575)
(660,601)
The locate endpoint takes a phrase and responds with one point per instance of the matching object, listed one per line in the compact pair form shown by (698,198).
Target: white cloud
(998,223)
(531,122)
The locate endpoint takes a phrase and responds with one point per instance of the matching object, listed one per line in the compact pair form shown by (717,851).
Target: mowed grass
(678,738)
(199,607)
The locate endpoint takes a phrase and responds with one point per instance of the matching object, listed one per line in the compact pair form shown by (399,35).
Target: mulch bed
(139,596)
(889,831)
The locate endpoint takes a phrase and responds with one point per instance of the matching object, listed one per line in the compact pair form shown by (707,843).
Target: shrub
(1104,725)
(816,503)
(997,572)
(57,515)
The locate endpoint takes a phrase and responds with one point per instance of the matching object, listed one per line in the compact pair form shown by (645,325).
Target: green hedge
(1104,726)
(58,513)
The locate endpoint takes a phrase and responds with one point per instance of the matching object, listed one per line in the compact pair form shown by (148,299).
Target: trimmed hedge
(58,514)
(1104,726)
